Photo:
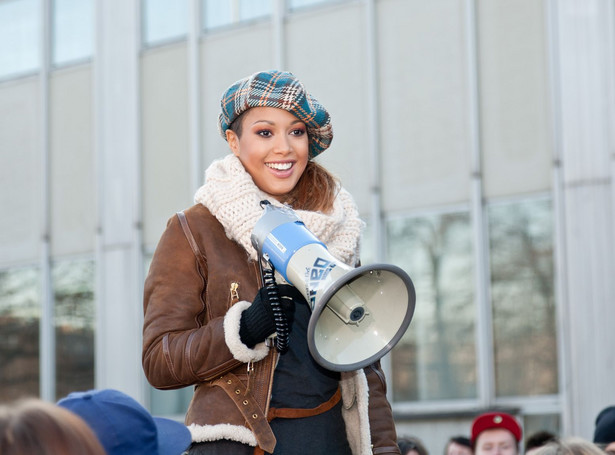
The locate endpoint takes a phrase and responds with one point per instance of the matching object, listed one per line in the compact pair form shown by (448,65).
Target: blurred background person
(411,445)
(537,440)
(458,445)
(569,446)
(496,433)
(604,433)
(33,426)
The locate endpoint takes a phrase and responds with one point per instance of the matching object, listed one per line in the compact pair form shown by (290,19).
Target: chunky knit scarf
(232,197)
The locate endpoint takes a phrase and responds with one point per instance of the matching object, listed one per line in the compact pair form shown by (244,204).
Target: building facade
(477,137)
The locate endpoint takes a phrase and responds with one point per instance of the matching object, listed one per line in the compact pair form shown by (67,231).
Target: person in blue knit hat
(208,318)
(124,427)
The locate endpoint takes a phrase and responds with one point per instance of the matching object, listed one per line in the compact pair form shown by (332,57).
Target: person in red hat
(495,433)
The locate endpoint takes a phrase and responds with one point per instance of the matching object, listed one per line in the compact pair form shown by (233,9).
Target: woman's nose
(282,144)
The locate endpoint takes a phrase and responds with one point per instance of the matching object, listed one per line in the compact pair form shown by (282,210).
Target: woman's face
(273,148)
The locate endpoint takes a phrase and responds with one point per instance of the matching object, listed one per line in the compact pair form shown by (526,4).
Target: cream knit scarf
(232,197)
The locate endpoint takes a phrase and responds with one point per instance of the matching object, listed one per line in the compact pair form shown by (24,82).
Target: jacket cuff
(239,350)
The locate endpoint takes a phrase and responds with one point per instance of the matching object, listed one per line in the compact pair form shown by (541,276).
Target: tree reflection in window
(522,282)
(436,359)
(73,284)
(20,312)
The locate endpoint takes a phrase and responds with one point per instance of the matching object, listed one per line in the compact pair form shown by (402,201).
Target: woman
(33,426)
(208,317)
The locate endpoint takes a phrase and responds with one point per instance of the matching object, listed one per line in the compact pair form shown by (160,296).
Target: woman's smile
(280,166)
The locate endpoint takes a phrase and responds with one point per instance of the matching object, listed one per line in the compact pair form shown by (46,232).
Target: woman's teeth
(279,166)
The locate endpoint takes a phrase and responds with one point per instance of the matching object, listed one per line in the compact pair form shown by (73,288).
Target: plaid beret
(493,420)
(282,90)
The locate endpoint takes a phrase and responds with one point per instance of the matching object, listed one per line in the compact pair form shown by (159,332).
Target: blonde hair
(31,425)
(569,446)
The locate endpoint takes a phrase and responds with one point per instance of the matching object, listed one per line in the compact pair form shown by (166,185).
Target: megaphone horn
(358,314)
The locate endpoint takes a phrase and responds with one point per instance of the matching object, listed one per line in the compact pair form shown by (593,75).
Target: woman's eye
(298,132)
(264,133)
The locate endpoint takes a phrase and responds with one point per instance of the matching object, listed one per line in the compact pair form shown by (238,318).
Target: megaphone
(358,314)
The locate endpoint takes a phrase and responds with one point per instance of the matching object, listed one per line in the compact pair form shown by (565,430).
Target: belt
(295,413)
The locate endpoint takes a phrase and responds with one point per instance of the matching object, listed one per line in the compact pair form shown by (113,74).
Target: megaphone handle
(281,324)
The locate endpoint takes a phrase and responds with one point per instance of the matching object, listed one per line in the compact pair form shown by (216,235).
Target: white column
(582,37)
(117,147)
(47,340)
(484,323)
(194,90)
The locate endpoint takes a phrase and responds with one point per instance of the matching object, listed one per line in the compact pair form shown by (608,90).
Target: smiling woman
(208,322)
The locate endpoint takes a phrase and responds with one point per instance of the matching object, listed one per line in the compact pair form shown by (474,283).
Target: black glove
(258,320)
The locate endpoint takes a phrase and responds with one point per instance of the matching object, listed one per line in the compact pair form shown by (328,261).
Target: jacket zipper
(234,293)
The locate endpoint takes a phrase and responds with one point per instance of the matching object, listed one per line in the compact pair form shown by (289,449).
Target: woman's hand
(258,321)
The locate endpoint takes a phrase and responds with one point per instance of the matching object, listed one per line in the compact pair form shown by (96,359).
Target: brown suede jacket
(194,294)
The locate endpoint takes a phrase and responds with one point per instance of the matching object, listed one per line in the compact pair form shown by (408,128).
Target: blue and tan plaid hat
(282,90)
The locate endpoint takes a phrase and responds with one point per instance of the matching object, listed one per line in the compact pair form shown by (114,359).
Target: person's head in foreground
(495,433)
(33,426)
(123,426)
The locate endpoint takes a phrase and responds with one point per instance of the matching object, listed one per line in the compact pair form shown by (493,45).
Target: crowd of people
(499,433)
(109,422)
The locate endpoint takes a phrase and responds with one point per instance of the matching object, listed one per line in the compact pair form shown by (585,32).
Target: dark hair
(237,125)
(461,440)
(32,425)
(539,439)
(409,443)
(316,189)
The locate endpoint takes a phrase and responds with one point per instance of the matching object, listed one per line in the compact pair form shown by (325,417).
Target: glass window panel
(293,4)
(73,284)
(73,24)
(217,13)
(170,403)
(436,358)
(20,312)
(522,292)
(253,9)
(164,20)
(19,36)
